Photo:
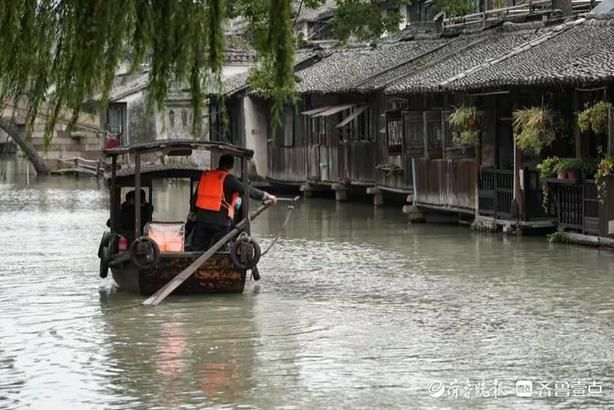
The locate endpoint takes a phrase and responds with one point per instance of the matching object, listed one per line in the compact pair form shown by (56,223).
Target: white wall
(230,70)
(404,10)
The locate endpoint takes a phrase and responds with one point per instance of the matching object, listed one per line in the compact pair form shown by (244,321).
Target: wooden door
(313,152)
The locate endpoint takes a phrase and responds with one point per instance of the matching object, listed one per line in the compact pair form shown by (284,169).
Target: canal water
(355,309)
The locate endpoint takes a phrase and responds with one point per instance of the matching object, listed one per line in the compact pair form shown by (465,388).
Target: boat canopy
(180,147)
(143,174)
(125,176)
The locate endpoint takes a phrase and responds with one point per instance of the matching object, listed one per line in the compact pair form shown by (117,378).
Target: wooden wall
(360,161)
(288,164)
(446,183)
(320,152)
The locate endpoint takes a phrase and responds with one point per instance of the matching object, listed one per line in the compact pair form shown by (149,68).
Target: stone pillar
(414,213)
(378,196)
(307,190)
(341,192)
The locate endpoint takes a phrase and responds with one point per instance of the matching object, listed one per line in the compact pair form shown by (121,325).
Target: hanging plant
(534,128)
(595,117)
(606,167)
(568,168)
(465,125)
(547,169)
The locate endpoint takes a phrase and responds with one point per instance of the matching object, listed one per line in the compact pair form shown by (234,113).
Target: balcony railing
(496,193)
(578,207)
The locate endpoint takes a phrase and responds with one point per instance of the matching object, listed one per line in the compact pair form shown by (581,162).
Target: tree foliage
(363,19)
(274,73)
(56,54)
(63,52)
(455,8)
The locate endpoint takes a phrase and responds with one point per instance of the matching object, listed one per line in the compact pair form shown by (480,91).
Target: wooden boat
(142,262)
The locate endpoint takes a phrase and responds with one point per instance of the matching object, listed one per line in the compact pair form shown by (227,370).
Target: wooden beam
(245,200)
(113,194)
(517,195)
(610,132)
(425,135)
(576,129)
(137,196)
(444,134)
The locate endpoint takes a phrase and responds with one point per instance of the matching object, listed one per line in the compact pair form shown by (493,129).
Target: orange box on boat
(170,236)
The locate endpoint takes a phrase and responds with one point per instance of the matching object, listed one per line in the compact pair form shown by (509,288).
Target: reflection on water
(356,309)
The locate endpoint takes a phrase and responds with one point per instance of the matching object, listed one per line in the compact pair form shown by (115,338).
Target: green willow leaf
(57,54)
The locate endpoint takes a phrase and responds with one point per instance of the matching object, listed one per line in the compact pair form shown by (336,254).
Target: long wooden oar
(167,289)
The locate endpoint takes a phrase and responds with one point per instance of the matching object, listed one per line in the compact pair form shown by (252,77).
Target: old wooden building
(377,117)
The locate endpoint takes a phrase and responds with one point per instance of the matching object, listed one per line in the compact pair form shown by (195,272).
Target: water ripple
(355,309)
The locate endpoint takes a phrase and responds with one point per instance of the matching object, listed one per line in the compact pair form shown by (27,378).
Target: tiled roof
(605,7)
(232,56)
(472,52)
(512,54)
(128,84)
(578,52)
(441,50)
(308,14)
(234,83)
(343,70)
(239,81)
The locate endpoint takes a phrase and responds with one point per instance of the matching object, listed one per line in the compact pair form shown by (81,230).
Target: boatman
(217,196)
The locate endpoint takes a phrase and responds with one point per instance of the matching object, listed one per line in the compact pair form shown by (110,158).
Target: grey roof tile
(480,49)
(582,53)
(344,69)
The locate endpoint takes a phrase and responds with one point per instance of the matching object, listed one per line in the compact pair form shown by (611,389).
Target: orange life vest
(210,195)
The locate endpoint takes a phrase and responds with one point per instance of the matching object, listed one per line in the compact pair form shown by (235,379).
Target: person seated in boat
(126,214)
(214,204)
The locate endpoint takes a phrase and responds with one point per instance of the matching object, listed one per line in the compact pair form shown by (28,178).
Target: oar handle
(296,198)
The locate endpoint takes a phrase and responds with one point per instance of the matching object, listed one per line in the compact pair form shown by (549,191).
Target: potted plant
(568,168)
(547,169)
(595,117)
(605,168)
(534,128)
(465,125)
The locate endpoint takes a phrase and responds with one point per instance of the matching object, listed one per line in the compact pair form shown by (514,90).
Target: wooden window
(365,126)
(397,104)
(433,129)
(414,133)
(394,132)
(184,118)
(318,127)
(448,134)
(221,123)
(115,118)
(358,124)
(171,119)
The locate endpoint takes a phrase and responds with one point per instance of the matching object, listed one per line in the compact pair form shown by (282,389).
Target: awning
(334,110)
(353,115)
(317,110)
